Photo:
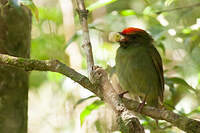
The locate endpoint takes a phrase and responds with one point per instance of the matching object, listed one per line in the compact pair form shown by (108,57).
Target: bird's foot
(121,95)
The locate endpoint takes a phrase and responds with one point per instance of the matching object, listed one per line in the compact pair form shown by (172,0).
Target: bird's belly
(136,73)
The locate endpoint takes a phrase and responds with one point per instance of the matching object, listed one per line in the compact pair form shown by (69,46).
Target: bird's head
(132,36)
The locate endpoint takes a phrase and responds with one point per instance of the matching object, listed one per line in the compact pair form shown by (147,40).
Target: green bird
(139,66)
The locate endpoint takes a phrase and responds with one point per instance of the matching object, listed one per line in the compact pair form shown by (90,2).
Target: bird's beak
(116,37)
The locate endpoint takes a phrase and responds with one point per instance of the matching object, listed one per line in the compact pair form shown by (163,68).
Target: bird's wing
(157,61)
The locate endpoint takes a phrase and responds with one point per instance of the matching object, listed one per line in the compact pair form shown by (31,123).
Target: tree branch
(47,65)
(83,13)
(127,121)
(186,124)
(104,91)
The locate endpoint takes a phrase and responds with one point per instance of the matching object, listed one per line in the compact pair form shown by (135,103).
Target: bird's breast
(135,70)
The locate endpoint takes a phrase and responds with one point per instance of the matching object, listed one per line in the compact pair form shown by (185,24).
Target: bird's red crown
(131,30)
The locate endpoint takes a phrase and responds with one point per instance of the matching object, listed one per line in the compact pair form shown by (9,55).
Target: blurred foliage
(175,31)
(47,41)
(88,109)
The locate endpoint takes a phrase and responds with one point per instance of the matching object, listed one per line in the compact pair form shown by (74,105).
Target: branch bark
(186,124)
(106,92)
(127,121)
(83,14)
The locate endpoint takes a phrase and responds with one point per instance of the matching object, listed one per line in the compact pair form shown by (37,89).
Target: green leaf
(30,4)
(128,12)
(180,81)
(83,99)
(87,111)
(99,4)
(186,31)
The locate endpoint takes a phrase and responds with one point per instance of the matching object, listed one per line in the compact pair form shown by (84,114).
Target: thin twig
(178,8)
(83,13)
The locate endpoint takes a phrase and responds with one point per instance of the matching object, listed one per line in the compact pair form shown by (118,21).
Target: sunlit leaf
(186,31)
(99,4)
(127,12)
(30,4)
(87,111)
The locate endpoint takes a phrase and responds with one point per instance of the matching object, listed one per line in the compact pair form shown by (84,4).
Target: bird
(139,66)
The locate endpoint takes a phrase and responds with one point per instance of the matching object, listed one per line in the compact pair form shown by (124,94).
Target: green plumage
(139,69)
